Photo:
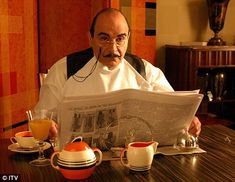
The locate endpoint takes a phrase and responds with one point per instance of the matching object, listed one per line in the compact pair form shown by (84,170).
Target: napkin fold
(171,150)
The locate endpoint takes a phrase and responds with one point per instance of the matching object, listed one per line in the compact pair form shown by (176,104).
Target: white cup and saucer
(24,142)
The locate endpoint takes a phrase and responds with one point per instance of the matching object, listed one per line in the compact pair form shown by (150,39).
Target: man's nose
(113,45)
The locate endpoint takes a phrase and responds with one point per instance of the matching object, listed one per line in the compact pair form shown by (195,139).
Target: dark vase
(219,85)
(216,12)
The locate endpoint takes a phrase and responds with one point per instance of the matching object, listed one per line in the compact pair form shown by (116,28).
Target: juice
(40,128)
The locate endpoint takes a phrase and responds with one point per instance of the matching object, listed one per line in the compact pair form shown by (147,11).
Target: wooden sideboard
(195,67)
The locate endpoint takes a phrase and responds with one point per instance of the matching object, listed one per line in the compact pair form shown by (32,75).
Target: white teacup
(25,139)
(139,155)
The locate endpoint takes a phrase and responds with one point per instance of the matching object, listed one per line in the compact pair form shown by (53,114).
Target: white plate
(16,148)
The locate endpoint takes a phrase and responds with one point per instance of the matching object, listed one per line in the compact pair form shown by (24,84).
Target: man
(107,70)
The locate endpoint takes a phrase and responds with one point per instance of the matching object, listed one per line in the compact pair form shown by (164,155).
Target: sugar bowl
(77,160)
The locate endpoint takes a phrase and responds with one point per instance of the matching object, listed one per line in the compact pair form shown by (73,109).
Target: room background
(22,38)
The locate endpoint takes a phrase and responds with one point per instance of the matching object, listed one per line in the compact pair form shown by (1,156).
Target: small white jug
(139,155)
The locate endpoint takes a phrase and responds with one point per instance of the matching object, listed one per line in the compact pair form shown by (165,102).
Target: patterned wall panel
(141,15)
(18,62)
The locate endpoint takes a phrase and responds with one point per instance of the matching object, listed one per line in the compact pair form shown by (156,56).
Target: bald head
(108,12)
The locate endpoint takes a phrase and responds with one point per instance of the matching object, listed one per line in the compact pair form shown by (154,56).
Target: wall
(141,15)
(18,62)
(64,27)
(184,20)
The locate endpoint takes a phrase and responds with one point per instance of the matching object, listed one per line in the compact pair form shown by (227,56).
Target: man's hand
(195,127)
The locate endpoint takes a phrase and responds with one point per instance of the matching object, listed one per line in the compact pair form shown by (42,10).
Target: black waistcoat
(77,60)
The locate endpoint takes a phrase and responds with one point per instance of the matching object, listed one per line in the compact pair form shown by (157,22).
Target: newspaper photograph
(116,118)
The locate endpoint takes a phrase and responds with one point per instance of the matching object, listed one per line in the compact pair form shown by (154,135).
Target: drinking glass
(40,123)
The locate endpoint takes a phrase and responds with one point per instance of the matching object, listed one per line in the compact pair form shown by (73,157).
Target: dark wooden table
(218,164)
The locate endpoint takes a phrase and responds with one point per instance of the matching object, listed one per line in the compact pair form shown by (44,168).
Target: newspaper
(117,118)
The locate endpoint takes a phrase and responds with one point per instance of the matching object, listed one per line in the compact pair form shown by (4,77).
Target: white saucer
(16,148)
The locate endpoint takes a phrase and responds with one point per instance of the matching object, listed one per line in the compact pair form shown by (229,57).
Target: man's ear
(90,40)
(129,34)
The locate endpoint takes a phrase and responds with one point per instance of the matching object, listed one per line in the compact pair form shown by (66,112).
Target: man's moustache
(112,55)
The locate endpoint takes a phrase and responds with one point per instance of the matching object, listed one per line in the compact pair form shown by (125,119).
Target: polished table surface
(217,164)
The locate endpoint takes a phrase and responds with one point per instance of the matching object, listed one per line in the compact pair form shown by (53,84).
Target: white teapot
(77,160)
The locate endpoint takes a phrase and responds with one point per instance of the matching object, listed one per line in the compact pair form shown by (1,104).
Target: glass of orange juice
(40,123)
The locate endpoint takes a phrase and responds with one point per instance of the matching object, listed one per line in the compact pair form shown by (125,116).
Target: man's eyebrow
(105,34)
(122,34)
